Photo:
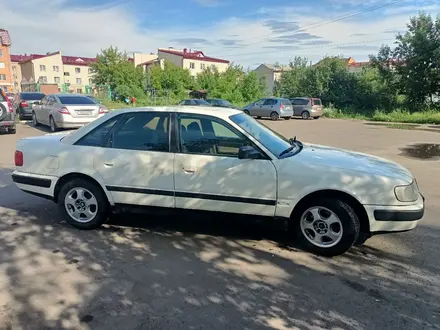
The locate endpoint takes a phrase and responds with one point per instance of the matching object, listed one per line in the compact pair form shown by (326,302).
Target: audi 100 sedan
(200,158)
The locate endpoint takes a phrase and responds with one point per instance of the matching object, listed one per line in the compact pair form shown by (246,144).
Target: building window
(2,76)
(90,70)
(77,70)
(79,91)
(67,73)
(78,81)
(42,68)
(192,65)
(14,68)
(202,66)
(2,65)
(43,79)
(56,68)
(57,80)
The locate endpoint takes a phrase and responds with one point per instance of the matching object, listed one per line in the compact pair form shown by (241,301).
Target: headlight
(409,193)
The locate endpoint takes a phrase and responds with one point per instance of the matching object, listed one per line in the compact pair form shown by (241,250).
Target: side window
(98,136)
(50,100)
(209,136)
(146,131)
(260,102)
(270,102)
(187,102)
(44,100)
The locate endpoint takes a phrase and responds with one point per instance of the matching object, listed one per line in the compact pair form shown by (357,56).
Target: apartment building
(271,74)
(195,61)
(69,73)
(5,62)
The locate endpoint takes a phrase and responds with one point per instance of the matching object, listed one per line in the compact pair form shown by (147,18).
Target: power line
(336,19)
(320,46)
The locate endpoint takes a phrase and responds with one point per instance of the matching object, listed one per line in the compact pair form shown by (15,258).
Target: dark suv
(7,114)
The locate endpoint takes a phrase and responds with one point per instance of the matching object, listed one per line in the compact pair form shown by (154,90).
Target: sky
(246,32)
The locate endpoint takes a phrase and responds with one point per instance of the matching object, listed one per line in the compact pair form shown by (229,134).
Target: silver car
(307,107)
(66,111)
(272,107)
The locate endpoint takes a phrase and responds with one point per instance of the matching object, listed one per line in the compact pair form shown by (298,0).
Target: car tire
(258,117)
(286,118)
(3,111)
(12,130)
(246,112)
(90,208)
(34,119)
(363,237)
(53,125)
(274,116)
(317,117)
(305,115)
(326,226)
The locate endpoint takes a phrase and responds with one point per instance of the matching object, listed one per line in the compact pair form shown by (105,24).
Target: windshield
(203,102)
(273,141)
(75,100)
(32,96)
(225,103)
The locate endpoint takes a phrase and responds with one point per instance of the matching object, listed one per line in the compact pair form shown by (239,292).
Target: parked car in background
(195,102)
(66,111)
(273,107)
(307,107)
(23,103)
(7,113)
(97,102)
(222,161)
(221,103)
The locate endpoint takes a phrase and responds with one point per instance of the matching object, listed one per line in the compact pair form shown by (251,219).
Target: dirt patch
(425,151)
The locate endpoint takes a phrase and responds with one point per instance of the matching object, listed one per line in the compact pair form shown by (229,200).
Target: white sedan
(203,158)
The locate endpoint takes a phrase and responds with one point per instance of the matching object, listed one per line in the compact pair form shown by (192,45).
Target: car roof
(32,93)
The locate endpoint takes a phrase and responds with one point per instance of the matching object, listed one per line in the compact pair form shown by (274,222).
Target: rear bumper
(43,185)
(395,218)
(316,113)
(288,113)
(7,124)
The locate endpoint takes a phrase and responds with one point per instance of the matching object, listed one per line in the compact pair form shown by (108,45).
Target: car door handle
(189,170)
(108,164)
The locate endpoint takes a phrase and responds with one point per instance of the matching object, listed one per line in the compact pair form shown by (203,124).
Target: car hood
(354,161)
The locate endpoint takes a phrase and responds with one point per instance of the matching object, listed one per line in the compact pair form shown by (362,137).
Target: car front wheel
(83,204)
(34,119)
(246,112)
(327,226)
(53,125)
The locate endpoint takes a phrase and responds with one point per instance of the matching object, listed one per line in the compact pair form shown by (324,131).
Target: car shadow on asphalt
(139,272)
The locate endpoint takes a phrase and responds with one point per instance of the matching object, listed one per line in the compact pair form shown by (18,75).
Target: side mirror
(248,152)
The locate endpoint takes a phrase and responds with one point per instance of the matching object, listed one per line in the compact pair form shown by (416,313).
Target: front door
(209,176)
(255,109)
(136,163)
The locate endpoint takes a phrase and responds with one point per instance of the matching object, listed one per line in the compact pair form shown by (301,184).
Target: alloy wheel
(81,205)
(321,227)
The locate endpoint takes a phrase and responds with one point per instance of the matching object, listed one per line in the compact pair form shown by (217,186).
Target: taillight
(64,111)
(23,104)
(10,105)
(281,107)
(102,110)
(313,102)
(18,158)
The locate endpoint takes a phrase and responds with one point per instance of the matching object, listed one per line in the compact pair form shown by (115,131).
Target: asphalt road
(215,273)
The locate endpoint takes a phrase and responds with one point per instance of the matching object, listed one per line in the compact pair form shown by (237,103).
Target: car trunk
(83,110)
(316,104)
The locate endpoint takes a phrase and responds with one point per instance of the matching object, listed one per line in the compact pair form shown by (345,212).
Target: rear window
(31,96)
(317,102)
(201,102)
(75,100)
(286,102)
(300,102)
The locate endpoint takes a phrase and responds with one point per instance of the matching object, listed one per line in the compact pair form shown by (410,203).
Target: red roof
(196,55)
(71,60)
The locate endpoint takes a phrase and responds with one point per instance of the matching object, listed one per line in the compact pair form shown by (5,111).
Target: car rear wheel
(246,112)
(317,117)
(83,204)
(3,111)
(327,226)
(305,115)
(12,130)
(274,116)
(53,125)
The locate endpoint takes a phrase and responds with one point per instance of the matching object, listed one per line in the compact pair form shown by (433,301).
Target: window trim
(121,121)
(179,150)
(118,120)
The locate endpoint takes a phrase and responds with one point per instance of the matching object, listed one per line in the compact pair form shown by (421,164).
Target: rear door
(42,111)
(317,106)
(136,163)
(256,109)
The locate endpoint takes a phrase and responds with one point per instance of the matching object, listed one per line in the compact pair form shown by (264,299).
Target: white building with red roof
(195,61)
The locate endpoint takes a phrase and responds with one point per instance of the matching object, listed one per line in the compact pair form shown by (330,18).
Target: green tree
(113,68)
(170,78)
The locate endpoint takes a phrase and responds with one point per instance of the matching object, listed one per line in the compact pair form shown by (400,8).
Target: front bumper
(395,218)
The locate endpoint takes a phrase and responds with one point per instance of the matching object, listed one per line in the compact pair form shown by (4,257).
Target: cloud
(358,34)
(280,27)
(286,47)
(230,42)
(191,41)
(316,43)
(295,37)
(358,47)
